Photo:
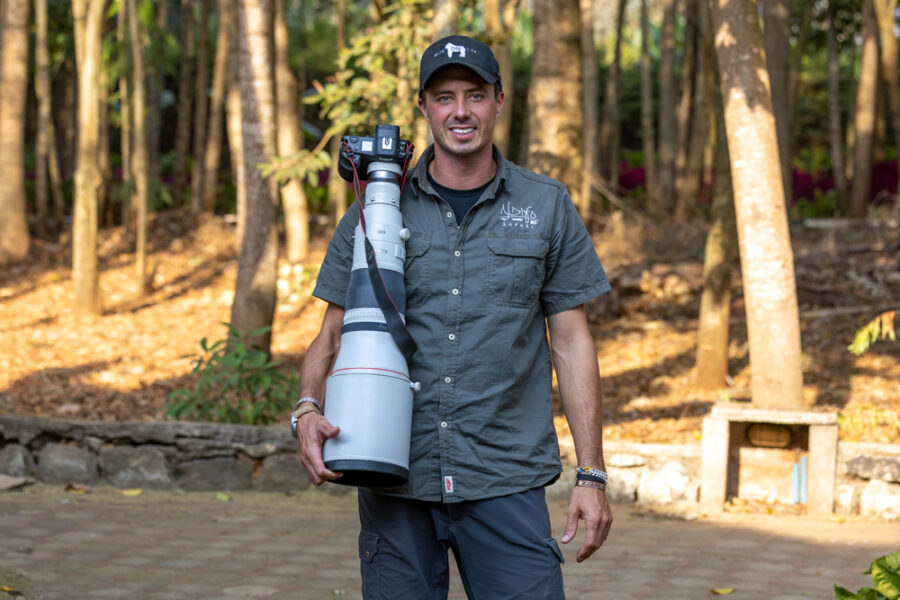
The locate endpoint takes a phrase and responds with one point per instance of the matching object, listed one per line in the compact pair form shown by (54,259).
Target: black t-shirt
(459,200)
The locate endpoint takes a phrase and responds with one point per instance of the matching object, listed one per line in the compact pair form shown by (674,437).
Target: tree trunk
(864,119)
(202,112)
(610,126)
(446,18)
(885,9)
(14,236)
(254,295)
(293,196)
(689,188)
(140,166)
(185,98)
(554,98)
(234,120)
(337,188)
(589,102)
(212,152)
(648,130)
(767,261)
(88,179)
(44,118)
(721,245)
(835,127)
(124,39)
(499,21)
(777,40)
(667,100)
(686,101)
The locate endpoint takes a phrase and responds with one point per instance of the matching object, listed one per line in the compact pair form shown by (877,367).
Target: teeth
(462,130)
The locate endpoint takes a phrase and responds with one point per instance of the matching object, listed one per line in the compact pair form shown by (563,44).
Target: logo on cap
(453,48)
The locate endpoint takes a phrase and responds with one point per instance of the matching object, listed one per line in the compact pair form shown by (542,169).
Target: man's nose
(462,108)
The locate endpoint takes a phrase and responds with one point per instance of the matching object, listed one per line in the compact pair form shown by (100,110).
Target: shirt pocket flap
(519,247)
(368,546)
(417,245)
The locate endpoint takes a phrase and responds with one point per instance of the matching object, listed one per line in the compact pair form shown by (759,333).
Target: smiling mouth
(462,130)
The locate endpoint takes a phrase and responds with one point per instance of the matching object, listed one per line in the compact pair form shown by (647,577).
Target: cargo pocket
(368,564)
(417,270)
(554,589)
(515,270)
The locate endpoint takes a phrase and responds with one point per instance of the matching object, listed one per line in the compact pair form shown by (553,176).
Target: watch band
(303,406)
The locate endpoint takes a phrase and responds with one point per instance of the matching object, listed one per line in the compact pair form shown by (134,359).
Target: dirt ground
(123,364)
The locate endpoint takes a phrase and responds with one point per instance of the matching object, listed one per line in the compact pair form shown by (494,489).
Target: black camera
(385,146)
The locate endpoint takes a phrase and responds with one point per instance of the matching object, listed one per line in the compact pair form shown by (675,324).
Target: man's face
(461,110)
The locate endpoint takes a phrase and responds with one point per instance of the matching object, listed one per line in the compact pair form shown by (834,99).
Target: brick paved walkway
(159,545)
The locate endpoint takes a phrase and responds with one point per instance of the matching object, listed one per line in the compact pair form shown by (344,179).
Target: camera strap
(395,324)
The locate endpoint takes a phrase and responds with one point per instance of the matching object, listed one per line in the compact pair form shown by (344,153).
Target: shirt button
(455,292)
(451,337)
(449,215)
(447,380)
(444,424)
(457,254)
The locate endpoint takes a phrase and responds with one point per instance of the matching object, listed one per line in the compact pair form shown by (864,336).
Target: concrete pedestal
(722,433)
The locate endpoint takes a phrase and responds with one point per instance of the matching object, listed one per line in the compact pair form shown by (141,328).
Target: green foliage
(885,573)
(236,384)
(879,328)
(823,206)
(376,82)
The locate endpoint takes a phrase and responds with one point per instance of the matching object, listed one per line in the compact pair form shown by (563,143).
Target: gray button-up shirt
(477,298)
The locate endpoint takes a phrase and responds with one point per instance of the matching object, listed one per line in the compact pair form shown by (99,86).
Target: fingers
(571,524)
(312,431)
(591,507)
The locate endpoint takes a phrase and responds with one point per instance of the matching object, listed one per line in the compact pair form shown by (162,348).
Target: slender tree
(767,261)
(293,196)
(499,20)
(864,119)
(885,10)
(14,236)
(446,17)
(44,118)
(234,122)
(202,111)
(212,151)
(686,100)
(667,101)
(777,42)
(610,125)
(140,166)
(88,177)
(555,118)
(589,101)
(835,127)
(124,40)
(337,188)
(254,294)
(185,101)
(648,130)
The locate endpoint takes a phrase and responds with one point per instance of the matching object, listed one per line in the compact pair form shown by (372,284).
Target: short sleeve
(334,274)
(574,273)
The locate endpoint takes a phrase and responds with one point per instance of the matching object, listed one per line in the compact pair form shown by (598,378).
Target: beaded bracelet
(592,473)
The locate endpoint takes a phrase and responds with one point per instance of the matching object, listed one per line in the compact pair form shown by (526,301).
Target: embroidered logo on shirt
(522,218)
(448,484)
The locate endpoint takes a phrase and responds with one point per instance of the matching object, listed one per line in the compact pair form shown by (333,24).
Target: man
(495,252)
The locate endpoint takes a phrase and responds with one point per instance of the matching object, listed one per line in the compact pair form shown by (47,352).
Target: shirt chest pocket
(417,269)
(515,270)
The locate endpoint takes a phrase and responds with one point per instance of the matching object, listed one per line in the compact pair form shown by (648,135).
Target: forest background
(166,167)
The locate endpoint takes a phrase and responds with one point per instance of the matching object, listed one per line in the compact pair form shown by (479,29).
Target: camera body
(384,146)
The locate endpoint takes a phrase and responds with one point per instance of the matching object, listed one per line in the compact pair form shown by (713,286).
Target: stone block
(135,467)
(666,483)
(625,460)
(846,499)
(212,474)
(714,468)
(16,460)
(880,499)
(62,464)
(867,467)
(623,485)
(281,473)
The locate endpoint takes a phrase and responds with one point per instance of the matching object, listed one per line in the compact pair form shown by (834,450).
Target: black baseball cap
(459,50)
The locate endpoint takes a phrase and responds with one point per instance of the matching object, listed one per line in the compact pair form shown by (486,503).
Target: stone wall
(206,456)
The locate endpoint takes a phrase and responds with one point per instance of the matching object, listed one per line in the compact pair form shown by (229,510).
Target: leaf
(131,492)
(78,488)
(885,580)
(843,593)
(223,497)
(722,591)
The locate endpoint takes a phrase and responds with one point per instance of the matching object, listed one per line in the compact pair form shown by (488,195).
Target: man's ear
(499,103)
(421,103)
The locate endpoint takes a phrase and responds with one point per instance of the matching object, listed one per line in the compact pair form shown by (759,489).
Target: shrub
(885,573)
(235,384)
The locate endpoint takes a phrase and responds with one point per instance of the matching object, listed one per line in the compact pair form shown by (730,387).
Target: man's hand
(312,431)
(590,505)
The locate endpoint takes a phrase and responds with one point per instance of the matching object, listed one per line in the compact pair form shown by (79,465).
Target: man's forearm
(321,354)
